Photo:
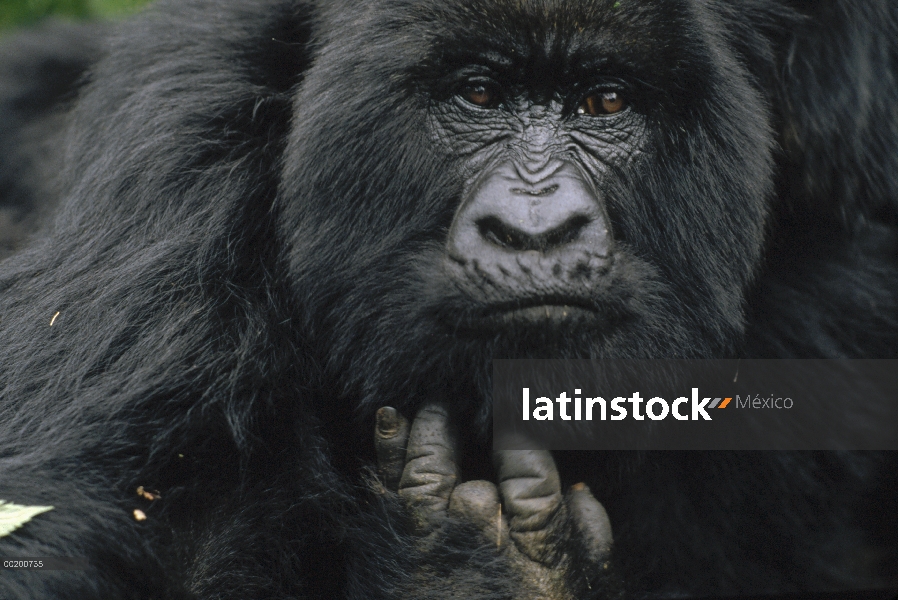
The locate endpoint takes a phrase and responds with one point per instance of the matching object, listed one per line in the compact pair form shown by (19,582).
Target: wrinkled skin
(532,524)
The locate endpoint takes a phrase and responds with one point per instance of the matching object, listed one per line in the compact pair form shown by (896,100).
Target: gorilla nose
(535,232)
(547,226)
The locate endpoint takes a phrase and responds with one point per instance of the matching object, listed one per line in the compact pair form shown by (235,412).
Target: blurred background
(17,13)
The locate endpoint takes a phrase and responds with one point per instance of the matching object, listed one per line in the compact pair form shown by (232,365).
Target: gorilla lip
(548,312)
(543,308)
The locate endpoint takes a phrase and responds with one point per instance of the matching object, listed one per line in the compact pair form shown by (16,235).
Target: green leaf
(13,516)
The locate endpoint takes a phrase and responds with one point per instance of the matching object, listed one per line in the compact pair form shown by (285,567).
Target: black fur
(245,264)
(40,73)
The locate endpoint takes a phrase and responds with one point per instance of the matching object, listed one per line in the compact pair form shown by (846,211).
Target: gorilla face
(547,180)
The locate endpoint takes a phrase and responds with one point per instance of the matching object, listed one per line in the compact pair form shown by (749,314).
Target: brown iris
(481,95)
(602,103)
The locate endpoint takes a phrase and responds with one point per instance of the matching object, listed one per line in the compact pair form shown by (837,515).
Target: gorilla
(246,236)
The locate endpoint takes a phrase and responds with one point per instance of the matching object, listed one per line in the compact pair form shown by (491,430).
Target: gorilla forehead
(552,41)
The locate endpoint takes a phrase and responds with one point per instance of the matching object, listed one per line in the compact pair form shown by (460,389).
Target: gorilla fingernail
(388,422)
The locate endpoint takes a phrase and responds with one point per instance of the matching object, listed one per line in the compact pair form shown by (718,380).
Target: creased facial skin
(279,219)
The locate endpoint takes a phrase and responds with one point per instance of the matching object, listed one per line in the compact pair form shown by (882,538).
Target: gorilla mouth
(543,310)
(546,304)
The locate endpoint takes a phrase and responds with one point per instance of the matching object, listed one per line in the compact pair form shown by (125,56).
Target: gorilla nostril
(500,233)
(566,233)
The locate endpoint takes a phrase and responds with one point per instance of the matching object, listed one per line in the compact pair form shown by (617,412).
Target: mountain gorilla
(285,224)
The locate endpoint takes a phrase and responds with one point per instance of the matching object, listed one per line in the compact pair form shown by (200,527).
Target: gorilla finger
(390,438)
(477,502)
(591,523)
(431,469)
(530,487)
(531,491)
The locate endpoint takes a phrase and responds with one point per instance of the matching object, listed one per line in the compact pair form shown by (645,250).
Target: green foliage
(13,516)
(24,12)
(114,7)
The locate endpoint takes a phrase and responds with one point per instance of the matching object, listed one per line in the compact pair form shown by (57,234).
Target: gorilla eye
(602,103)
(481,94)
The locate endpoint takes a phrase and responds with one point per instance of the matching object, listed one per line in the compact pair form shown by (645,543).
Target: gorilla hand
(558,545)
